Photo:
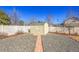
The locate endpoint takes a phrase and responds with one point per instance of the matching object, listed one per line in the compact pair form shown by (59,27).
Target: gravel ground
(26,43)
(19,43)
(59,43)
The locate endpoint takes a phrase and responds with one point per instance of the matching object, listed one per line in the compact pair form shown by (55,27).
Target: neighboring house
(39,28)
(73,22)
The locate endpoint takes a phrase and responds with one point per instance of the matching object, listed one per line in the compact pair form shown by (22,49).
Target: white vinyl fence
(73,30)
(12,29)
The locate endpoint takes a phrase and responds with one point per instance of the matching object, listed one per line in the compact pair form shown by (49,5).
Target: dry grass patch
(75,38)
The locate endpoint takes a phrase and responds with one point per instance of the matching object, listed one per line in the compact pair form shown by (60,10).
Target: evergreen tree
(21,22)
(4,19)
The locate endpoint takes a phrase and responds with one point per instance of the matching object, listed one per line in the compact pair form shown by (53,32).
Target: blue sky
(58,13)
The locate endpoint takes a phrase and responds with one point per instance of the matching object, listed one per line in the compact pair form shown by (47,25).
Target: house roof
(72,18)
(75,18)
(72,23)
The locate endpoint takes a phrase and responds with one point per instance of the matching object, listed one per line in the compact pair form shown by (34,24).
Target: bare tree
(32,20)
(49,18)
(14,17)
(69,15)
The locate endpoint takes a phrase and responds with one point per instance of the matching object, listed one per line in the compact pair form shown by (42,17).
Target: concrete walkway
(39,46)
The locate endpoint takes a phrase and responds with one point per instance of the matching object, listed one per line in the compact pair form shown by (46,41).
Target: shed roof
(37,24)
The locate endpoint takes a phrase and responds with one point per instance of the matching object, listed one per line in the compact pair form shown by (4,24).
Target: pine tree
(4,19)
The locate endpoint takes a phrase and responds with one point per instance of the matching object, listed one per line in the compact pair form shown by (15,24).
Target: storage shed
(39,28)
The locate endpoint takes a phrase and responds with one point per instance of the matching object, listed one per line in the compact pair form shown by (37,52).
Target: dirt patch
(3,36)
(58,33)
(6,36)
(19,32)
(63,33)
